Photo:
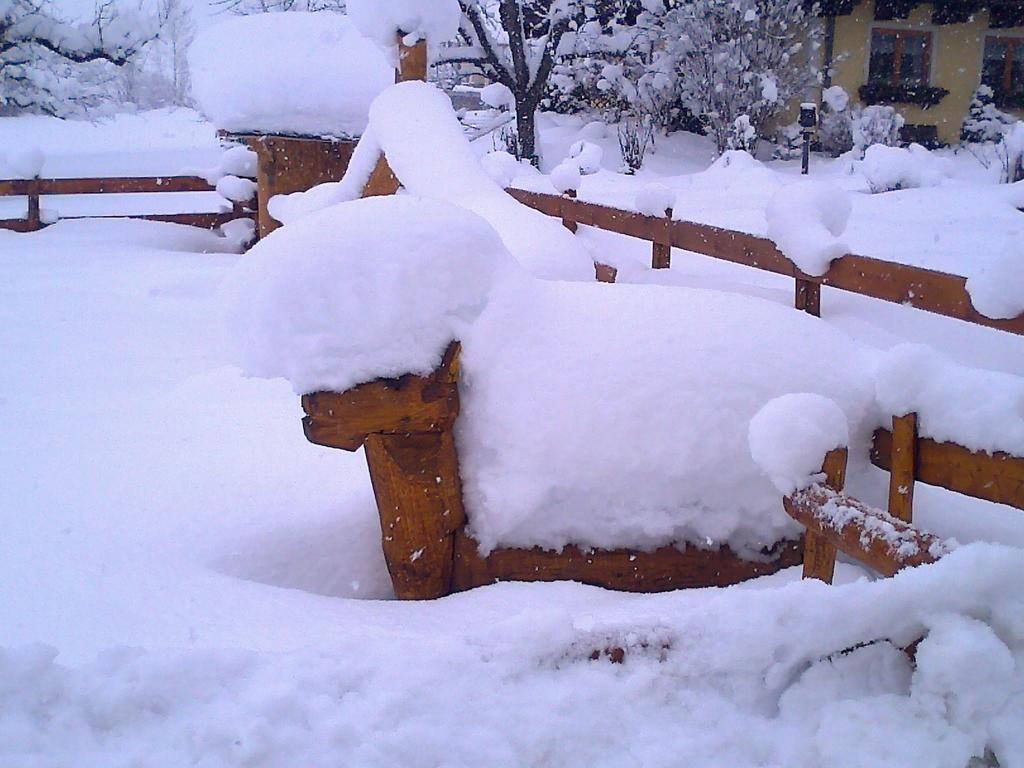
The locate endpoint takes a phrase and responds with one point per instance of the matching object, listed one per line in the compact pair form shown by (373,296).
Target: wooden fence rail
(932,291)
(34,189)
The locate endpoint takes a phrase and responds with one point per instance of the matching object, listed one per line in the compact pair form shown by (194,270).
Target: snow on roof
(295,73)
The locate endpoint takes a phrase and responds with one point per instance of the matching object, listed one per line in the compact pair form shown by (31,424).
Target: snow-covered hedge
(890,168)
(294,73)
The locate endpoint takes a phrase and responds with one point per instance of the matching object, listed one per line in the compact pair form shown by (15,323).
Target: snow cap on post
(805,220)
(790,436)
(407,23)
(309,74)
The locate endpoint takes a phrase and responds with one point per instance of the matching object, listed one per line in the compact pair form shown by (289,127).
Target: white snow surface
(381,20)
(893,168)
(586,420)
(790,436)
(294,73)
(997,288)
(565,177)
(805,219)
(979,409)
(655,199)
(415,126)
(373,288)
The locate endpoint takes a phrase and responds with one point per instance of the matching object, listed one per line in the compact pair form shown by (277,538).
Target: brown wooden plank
(903,470)
(997,477)
(663,569)
(389,406)
(382,181)
(13,187)
(124,185)
(412,61)
(16,225)
(605,273)
(819,552)
(871,536)
(550,205)
(808,297)
(567,222)
(415,480)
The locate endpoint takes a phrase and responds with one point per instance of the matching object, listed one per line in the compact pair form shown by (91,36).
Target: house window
(1003,67)
(899,57)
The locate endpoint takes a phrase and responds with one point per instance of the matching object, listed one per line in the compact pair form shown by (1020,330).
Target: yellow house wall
(955,61)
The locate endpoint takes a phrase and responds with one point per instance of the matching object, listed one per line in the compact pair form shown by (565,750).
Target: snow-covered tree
(738,63)
(514,42)
(245,7)
(48,64)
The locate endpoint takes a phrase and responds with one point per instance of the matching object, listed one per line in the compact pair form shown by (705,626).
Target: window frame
(1013,42)
(900,34)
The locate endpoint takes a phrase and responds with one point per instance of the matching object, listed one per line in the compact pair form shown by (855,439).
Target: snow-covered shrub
(834,128)
(1010,151)
(587,156)
(742,135)
(636,135)
(984,122)
(506,139)
(890,168)
(805,220)
(876,124)
(788,142)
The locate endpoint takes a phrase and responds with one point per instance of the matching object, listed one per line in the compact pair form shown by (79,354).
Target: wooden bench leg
(819,554)
(416,481)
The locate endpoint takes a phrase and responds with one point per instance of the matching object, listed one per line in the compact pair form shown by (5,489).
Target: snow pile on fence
(790,436)
(381,20)
(740,676)
(587,418)
(416,128)
(294,73)
(372,288)
(997,289)
(978,409)
(805,220)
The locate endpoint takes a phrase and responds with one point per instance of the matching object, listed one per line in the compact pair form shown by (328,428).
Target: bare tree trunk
(526,127)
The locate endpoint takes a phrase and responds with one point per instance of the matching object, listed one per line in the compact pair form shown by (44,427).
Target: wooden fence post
(808,296)
(903,469)
(820,554)
(34,216)
(661,250)
(412,60)
(567,221)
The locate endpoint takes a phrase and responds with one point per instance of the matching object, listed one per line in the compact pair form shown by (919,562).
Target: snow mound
(415,126)
(655,199)
(997,289)
(790,436)
(566,177)
(890,168)
(580,425)
(981,410)
(382,20)
(361,290)
(293,73)
(586,156)
(805,219)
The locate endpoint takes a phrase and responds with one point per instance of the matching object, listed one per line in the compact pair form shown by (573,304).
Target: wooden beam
(124,185)
(34,216)
(663,569)
(412,60)
(997,476)
(385,406)
(903,469)
(871,536)
(415,480)
(808,297)
(661,247)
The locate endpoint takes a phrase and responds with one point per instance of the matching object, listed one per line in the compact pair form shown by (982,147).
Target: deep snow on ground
(211,582)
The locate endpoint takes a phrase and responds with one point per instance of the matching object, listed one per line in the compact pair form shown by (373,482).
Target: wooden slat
(819,551)
(925,289)
(997,477)
(903,471)
(870,536)
(15,225)
(663,569)
(12,187)
(124,185)
(387,406)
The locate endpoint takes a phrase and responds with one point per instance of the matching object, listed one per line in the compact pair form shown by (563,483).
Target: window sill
(883,93)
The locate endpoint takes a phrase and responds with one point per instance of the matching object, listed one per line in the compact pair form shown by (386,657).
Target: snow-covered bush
(636,135)
(805,220)
(834,128)
(890,168)
(1010,152)
(734,58)
(984,122)
(788,142)
(876,124)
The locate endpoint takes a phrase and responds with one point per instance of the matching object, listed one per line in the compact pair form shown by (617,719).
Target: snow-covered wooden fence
(930,290)
(35,189)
